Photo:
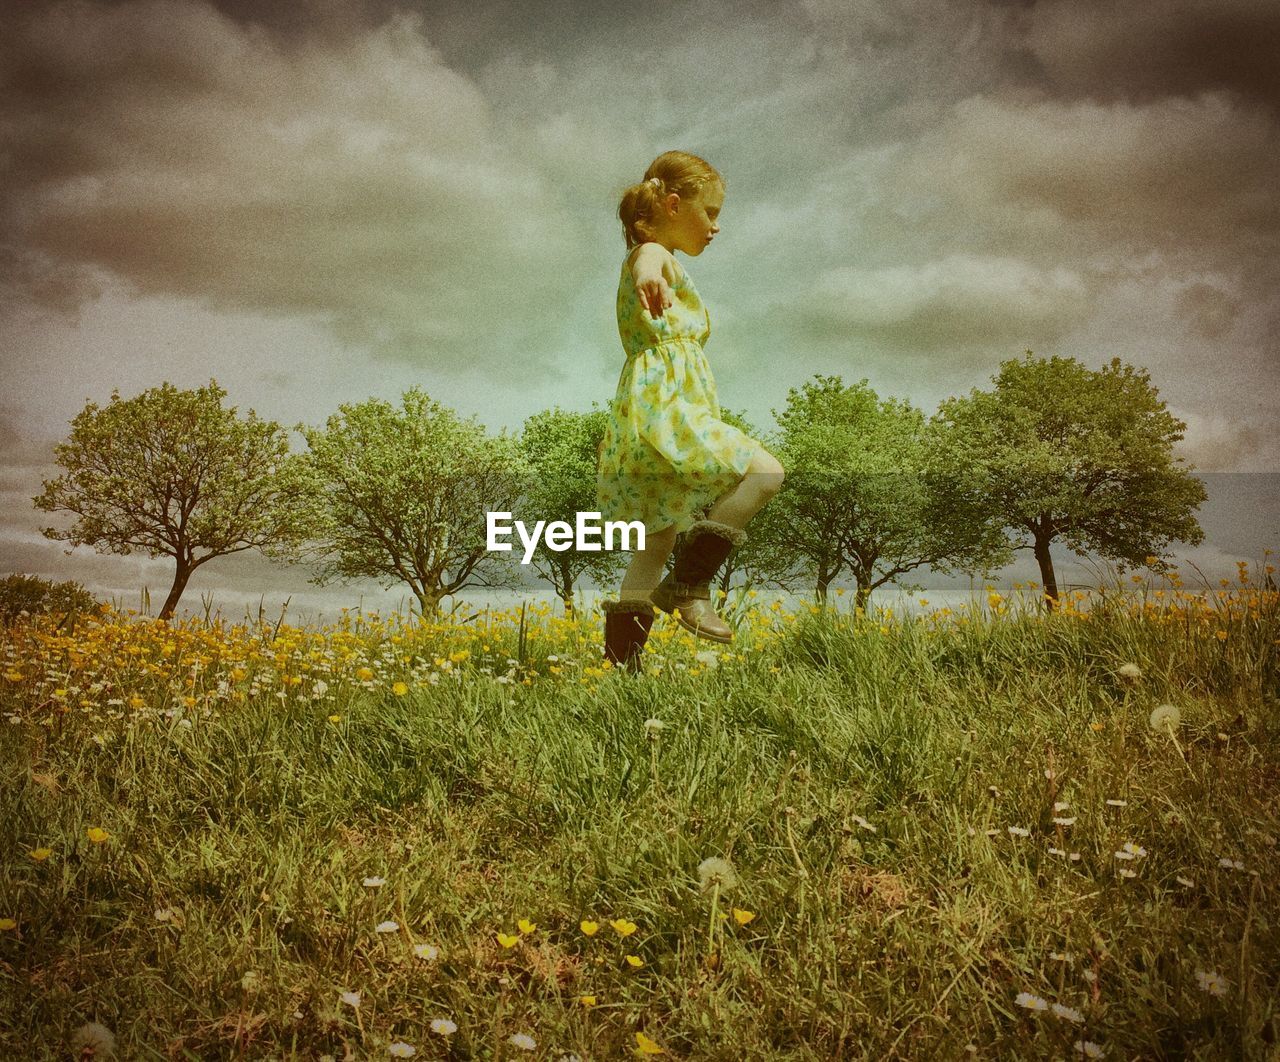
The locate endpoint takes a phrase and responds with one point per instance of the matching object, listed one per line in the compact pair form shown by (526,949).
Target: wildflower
(646,1046)
(623,927)
(1186,882)
(1213,983)
(1097,727)
(426,951)
(1064,821)
(386,927)
(1059,956)
(400,688)
(1129,672)
(1069,1013)
(373,883)
(40,854)
(588,927)
(93,1041)
(1125,872)
(1057,852)
(443,1026)
(400,1049)
(635,961)
(523,1041)
(587,1001)
(653,728)
(1074,857)
(1018,831)
(742,917)
(1031,1002)
(526,926)
(96,834)
(351,999)
(1129,850)
(249,982)
(1165,718)
(8,924)
(1117,803)
(1060,806)
(164,914)
(335,718)
(506,941)
(707,658)
(716,871)
(1231,864)
(1089,1049)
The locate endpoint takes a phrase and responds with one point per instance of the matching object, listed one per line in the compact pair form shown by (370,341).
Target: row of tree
(875,490)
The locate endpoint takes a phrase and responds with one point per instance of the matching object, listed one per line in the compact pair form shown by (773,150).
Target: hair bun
(655,181)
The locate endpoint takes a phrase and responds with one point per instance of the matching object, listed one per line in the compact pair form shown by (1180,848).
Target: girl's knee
(770,472)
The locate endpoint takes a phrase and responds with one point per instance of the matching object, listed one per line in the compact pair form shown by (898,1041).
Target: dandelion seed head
(351,999)
(93,1040)
(1165,718)
(654,727)
(1129,672)
(714,871)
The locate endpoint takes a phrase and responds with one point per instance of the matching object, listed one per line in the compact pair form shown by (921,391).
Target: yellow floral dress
(666,454)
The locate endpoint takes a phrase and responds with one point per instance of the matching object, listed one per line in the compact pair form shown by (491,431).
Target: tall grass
(885,791)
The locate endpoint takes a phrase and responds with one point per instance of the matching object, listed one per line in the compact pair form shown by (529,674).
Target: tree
(172,473)
(401,496)
(560,447)
(858,495)
(1059,451)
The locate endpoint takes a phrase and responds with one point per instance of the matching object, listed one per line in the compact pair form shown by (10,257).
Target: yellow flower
(635,961)
(459,656)
(589,927)
(742,917)
(400,689)
(1220,635)
(587,1001)
(623,927)
(41,854)
(335,718)
(13,676)
(364,674)
(526,926)
(506,941)
(7,924)
(97,834)
(646,1046)
(1096,726)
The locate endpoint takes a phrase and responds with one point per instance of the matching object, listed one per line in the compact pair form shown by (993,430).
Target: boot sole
(702,632)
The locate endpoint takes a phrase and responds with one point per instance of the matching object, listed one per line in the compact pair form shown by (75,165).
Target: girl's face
(696,221)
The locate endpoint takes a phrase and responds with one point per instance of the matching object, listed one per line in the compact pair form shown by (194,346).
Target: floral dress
(666,454)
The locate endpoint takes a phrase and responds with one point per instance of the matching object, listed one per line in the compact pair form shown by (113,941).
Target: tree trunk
(428,600)
(824,582)
(864,593)
(1046,572)
(180,578)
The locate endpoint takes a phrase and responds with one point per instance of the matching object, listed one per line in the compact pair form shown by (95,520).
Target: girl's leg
(762,481)
(645,569)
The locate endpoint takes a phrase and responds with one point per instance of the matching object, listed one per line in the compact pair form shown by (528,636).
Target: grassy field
(965,834)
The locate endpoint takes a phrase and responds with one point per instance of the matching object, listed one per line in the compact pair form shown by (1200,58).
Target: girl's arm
(655,271)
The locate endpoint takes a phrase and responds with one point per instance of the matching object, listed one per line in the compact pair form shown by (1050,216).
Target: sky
(326,201)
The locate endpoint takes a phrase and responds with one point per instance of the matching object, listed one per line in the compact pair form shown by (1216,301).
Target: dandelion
(1089,1049)
(1018,831)
(646,1046)
(506,941)
(1165,719)
(523,1041)
(653,728)
(351,999)
(400,688)
(742,917)
(635,962)
(1067,1013)
(93,1041)
(1031,1002)
(443,1026)
(622,927)
(716,872)
(400,1049)
(587,1001)
(589,927)
(1213,983)
(96,834)
(386,927)
(40,854)
(1129,672)
(8,925)
(335,718)
(373,883)
(707,658)
(426,951)
(525,926)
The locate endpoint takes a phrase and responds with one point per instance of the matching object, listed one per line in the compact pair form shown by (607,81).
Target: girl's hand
(654,294)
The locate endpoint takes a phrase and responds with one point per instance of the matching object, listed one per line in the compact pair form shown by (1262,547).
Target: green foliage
(172,473)
(561,448)
(33,595)
(400,495)
(858,496)
(1057,451)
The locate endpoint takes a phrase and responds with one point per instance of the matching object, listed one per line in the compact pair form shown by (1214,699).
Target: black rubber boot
(626,629)
(686,591)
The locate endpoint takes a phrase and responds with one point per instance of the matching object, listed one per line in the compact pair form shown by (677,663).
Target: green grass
(481,804)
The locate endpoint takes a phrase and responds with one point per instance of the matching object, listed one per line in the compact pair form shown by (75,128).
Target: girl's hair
(676,171)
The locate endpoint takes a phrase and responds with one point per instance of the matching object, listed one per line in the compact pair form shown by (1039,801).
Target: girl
(667,458)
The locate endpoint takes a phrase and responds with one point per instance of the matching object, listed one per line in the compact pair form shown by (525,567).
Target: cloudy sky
(319,202)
